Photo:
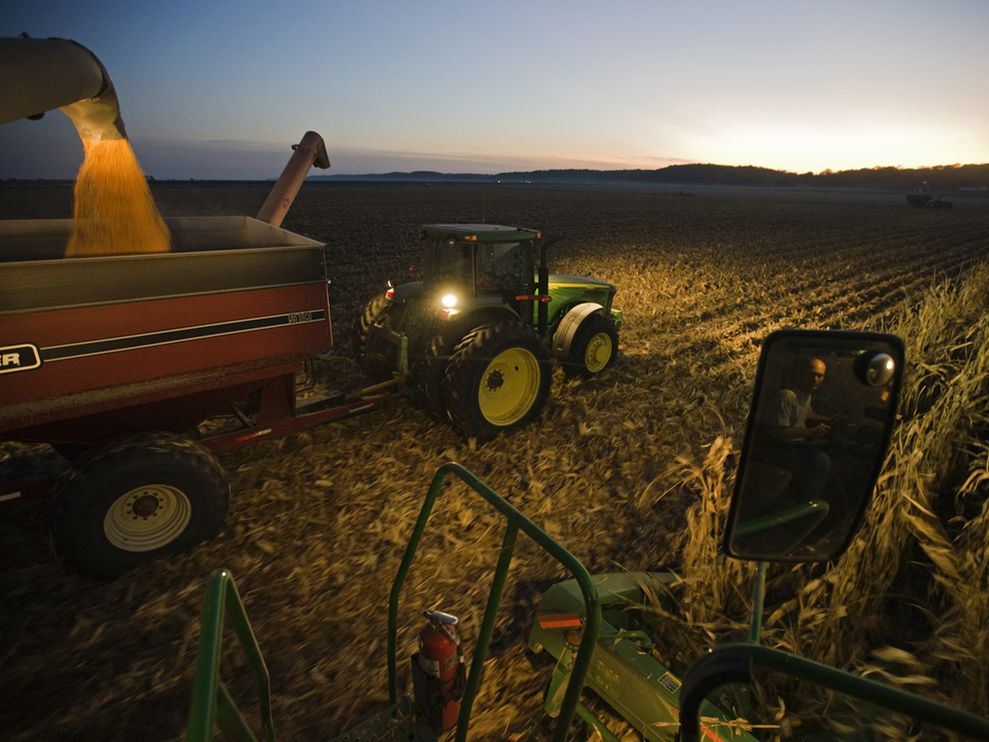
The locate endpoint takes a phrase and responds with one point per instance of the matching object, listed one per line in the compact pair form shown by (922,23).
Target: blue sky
(222,89)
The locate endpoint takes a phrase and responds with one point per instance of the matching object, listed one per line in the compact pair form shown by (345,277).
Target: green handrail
(734,663)
(516,522)
(211,702)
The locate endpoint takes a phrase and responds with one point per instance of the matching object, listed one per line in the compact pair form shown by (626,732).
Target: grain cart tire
(497,380)
(71,451)
(137,498)
(372,361)
(594,347)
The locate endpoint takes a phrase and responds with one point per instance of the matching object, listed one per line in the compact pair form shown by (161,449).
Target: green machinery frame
(212,703)
(734,663)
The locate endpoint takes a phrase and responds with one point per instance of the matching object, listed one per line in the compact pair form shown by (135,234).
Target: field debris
(627,469)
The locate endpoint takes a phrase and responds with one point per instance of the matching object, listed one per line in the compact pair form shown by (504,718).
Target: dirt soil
(318,520)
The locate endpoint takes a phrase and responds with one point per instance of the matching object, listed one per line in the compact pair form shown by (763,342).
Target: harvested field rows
(318,520)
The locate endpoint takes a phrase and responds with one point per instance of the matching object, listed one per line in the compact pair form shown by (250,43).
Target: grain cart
(115,360)
(593,625)
(475,337)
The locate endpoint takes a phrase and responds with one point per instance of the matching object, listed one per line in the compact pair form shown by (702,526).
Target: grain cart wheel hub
(147,518)
(134,499)
(509,387)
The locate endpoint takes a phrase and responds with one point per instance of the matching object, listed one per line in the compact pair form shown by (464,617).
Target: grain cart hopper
(115,360)
(594,625)
(475,337)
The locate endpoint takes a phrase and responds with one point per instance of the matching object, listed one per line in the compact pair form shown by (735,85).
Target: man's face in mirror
(811,374)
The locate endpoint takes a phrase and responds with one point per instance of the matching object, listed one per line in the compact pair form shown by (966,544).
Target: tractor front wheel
(497,380)
(594,347)
(138,498)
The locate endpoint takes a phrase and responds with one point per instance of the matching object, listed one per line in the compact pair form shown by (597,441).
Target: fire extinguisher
(438,677)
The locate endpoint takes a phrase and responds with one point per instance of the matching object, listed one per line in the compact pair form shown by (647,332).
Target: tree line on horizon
(941,177)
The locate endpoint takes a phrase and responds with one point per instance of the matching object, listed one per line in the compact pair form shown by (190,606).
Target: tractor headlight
(449,301)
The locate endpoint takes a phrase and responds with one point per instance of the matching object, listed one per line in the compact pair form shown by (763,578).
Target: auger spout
(40,75)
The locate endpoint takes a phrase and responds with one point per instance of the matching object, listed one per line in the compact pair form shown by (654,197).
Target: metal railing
(211,702)
(516,522)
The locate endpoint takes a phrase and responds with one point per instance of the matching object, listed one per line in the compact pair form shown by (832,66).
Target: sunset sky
(221,89)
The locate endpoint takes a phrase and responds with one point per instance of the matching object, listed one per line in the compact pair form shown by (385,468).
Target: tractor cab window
(501,266)
(451,261)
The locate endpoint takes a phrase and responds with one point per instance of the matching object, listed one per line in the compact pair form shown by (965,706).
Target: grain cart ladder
(212,704)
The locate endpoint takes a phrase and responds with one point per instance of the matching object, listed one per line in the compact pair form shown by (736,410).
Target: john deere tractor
(474,339)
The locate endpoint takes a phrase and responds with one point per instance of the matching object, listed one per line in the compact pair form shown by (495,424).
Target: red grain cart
(115,361)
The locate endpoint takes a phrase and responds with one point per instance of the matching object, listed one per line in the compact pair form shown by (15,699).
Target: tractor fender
(567,328)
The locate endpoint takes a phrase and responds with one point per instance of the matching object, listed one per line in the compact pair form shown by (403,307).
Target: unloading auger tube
(40,75)
(308,152)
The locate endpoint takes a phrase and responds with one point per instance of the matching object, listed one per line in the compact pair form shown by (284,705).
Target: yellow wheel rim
(509,386)
(598,352)
(147,518)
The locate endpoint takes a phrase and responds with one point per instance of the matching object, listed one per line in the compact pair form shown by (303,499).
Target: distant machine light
(449,301)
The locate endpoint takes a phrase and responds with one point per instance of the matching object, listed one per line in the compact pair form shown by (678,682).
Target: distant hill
(941,177)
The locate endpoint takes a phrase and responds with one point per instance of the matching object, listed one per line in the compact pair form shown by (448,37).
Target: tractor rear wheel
(594,347)
(374,363)
(426,372)
(140,497)
(497,380)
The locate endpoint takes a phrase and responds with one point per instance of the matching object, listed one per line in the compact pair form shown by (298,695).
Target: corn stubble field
(629,471)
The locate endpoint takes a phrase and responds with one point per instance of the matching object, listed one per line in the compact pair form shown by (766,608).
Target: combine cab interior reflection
(822,418)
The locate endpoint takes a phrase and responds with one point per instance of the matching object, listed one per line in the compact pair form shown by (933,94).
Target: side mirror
(817,434)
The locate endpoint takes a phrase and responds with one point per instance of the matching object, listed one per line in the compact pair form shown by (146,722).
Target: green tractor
(474,339)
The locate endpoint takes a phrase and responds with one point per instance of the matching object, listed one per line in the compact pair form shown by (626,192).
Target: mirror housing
(818,430)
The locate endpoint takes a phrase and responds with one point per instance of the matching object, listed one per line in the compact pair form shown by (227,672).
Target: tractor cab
(479,259)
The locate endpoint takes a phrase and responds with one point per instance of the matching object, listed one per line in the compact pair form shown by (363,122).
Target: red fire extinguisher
(438,672)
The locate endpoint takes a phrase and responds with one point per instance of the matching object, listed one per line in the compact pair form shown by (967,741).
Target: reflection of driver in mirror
(819,423)
(792,425)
